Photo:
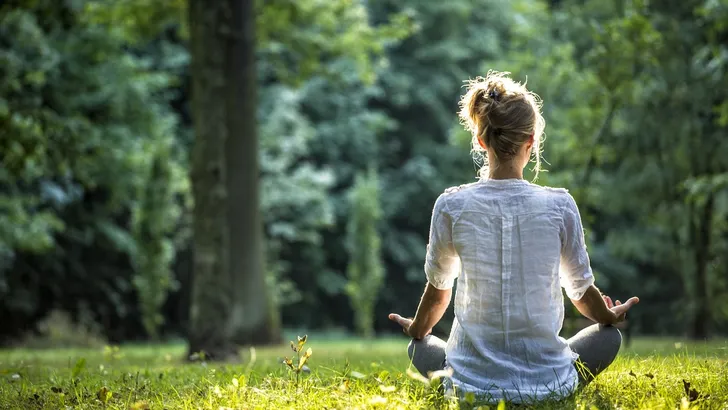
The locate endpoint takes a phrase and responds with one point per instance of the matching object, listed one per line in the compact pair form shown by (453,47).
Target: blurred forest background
(357,136)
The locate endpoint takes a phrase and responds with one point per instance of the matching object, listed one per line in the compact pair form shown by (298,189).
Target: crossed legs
(597,346)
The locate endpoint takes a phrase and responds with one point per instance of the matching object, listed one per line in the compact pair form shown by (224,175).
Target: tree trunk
(229,295)
(701,314)
(211,301)
(254,316)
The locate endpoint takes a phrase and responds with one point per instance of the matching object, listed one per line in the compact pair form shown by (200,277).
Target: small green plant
(365,270)
(300,363)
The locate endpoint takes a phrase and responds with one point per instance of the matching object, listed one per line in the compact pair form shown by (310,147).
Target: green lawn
(344,374)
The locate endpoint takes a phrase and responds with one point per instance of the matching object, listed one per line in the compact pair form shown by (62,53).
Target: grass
(344,374)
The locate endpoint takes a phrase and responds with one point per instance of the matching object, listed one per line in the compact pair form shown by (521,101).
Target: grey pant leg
(597,346)
(428,354)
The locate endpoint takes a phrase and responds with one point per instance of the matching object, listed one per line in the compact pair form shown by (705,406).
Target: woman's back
(509,237)
(514,245)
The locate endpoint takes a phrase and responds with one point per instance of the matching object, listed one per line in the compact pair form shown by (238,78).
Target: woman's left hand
(406,324)
(402,321)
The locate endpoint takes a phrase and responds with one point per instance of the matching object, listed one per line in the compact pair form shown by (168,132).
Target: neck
(507,170)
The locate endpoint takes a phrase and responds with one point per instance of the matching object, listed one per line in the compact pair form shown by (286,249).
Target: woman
(514,245)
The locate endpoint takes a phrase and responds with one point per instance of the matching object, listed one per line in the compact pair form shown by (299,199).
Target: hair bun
(502,116)
(496,89)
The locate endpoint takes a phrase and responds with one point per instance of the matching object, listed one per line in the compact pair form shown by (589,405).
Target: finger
(617,303)
(632,301)
(610,304)
(622,308)
(404,322)
(398,319)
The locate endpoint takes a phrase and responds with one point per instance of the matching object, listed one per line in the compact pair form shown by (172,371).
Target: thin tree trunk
(253,317)
(702,315)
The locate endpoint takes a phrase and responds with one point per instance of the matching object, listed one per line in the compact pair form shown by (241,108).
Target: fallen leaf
(376,400)
(387,389)
(357,375)
(692,393)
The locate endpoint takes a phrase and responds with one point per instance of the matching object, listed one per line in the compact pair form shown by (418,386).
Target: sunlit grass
(351,373)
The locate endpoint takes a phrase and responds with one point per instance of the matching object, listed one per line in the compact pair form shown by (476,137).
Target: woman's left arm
(442,266)
(432,307)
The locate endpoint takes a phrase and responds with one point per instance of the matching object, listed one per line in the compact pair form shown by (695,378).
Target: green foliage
(345,374)
(94,140)
(653,146)
(138,20)
(155,220)
(298,38)
(293,203)
(365,272)
(83,120)
(317,131)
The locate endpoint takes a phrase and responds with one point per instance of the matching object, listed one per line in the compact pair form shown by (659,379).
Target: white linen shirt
(514,245)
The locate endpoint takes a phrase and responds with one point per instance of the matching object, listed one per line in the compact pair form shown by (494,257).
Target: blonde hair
(503,114)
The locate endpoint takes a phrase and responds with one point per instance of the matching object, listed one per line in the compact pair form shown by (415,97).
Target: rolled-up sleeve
(442,263)
(575,274)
